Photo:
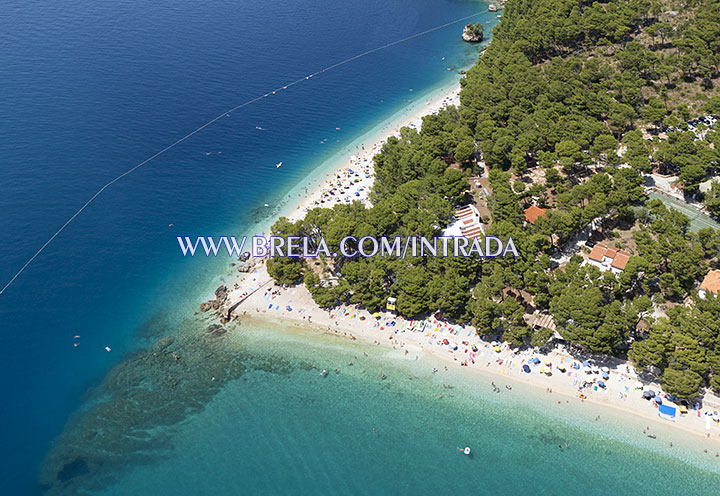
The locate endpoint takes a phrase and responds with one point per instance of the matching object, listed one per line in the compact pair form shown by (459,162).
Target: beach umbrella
(639,385)
(474,348)
(526,369)
(288,308)
(605,369)
(376,315)
(536,360)
(497,349)
(586,363)
(651,393)
(646,395)
(601,384)
(548,363)
(658,400)
(605,375)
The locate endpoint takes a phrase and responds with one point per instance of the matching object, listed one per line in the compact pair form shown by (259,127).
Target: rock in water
(473,32)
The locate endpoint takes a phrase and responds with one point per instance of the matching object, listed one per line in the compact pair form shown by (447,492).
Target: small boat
(652,436)
(466,450)
(492,8)
(278,165)
(324,372)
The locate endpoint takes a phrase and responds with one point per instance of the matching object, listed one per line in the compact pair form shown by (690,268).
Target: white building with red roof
(609,259)
(467,223)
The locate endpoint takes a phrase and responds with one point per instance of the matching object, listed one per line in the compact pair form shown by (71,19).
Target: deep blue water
(91,88)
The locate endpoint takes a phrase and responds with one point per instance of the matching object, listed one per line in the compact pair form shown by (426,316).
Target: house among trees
(533,212)
(711,283)
(609,259)
(467,224)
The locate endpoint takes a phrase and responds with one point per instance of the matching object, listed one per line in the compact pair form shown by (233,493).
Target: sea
(90,89)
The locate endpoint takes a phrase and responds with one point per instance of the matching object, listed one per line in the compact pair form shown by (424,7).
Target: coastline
(552,395)
(310,189)
(610,420)
(353,323)
(252,294)
(254,297)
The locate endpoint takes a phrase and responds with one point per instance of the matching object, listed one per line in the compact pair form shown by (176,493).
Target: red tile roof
(533,212)
(611,252)
(711,282)
(598,252)
(621,260)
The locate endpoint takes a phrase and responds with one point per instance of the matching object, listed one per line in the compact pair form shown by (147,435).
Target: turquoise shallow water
(291,431)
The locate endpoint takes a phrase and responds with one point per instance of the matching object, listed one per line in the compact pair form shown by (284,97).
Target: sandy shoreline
(335,172)
(271,302)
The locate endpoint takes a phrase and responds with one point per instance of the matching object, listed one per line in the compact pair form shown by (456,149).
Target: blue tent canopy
(668,411)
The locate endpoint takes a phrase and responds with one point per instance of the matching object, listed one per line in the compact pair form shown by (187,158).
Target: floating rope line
(212,121)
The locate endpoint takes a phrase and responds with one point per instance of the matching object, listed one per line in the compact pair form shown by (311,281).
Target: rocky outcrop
(473,33)
(247,266)
(221,295)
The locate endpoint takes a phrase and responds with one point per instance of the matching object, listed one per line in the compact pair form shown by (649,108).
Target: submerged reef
(129,418)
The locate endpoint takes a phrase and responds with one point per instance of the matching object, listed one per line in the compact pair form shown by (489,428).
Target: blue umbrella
(605,375)
(601,384)
(536,360)
(586,363)
(526,369)
(658,400)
